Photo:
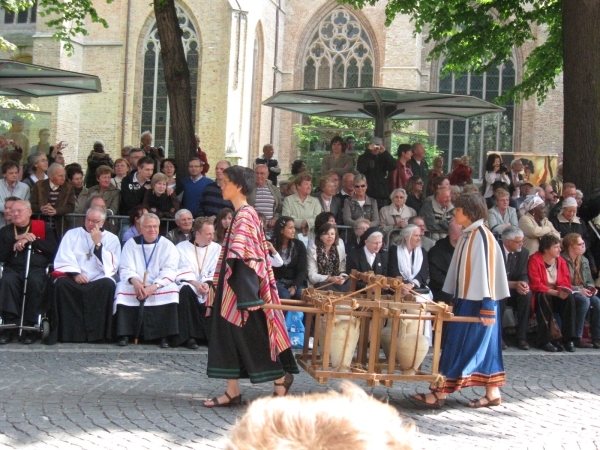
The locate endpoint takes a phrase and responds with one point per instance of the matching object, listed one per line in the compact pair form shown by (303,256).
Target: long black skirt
(244,352)
(193,322)
(84,310)
(159,321)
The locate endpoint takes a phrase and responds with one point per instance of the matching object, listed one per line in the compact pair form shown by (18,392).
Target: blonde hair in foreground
(332,421)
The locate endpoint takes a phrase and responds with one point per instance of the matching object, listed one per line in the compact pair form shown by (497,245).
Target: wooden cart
(372,307)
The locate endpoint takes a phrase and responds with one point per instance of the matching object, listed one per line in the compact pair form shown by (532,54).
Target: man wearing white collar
(198,260)
(86,263)
(148,268)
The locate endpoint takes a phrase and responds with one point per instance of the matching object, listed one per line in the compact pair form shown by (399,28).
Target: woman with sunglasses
(360,205)
(415,195)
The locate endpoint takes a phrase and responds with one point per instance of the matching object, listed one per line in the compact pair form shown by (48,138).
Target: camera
(376,148)
(503,168)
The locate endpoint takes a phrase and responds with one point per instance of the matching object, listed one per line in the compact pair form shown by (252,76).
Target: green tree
(475,35)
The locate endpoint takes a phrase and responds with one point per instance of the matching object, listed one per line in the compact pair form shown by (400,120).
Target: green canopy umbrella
(21,79)
(381,104)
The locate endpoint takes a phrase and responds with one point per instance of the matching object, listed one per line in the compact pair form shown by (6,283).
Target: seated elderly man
(53,197)
(438,213)
(86,268)
(197,263)
(440,257)
(515,260)
(184,221)
(149,265)
(14,244)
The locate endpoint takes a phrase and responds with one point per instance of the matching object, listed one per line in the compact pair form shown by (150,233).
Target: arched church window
(155,104)
(480,135)
(339,54)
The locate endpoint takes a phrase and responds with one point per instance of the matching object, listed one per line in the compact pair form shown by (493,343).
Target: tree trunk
(581,41)
(177,78)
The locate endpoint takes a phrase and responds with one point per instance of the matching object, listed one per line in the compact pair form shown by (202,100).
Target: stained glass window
(339,54)
(478,136)
(155,104)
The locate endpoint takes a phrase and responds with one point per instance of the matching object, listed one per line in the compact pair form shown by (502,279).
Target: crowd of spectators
(390,214)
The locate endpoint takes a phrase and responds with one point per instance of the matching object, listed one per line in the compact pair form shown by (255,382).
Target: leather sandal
(233,401)
(422,400)
(288,379)
(477,403)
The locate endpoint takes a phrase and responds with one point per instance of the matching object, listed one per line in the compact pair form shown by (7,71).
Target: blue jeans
(582,305)
(285,293)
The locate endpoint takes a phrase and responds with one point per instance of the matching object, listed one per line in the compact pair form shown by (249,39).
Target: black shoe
(504,346)
(582,344)
(522,344)
(569,346)
(28,338)
(164,343)
(191,344)
(596,343)
(559,346)
(548,347)
(6,337)
(123,341)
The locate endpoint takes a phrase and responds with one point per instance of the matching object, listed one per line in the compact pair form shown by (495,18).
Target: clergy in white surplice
(86,267)
(149,264)
(197,263)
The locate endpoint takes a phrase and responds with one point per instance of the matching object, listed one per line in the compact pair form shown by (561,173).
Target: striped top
(477,269)
(246,241)
(264,201)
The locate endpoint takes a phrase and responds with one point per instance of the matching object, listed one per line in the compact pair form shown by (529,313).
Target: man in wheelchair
(15,242)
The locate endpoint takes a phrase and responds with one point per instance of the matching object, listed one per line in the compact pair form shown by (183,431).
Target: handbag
(553,328)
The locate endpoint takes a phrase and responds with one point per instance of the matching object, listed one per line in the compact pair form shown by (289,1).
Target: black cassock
(13,279)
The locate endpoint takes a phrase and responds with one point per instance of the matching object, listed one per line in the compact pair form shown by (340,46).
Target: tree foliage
(476,35)
(67,19)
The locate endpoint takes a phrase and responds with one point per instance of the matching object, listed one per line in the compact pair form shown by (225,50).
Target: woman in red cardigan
(550,282)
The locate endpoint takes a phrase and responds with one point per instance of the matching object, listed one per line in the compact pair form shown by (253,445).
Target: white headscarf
(530,202)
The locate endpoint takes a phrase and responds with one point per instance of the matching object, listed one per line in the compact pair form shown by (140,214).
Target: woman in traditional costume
(246,341)
(472,354)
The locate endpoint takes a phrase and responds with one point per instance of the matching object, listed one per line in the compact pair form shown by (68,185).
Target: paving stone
(77,396)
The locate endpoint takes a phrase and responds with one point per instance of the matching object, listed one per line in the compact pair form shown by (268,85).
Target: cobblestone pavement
(102,396)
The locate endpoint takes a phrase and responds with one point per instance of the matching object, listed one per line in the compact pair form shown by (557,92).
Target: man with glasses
(193,186)
(86,268)
(515,259)
(15,240)
(266,198)
(149,265)
(184,221)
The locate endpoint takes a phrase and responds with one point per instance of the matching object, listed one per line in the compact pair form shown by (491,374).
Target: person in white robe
(149,265)
(198,260)
(86,266)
